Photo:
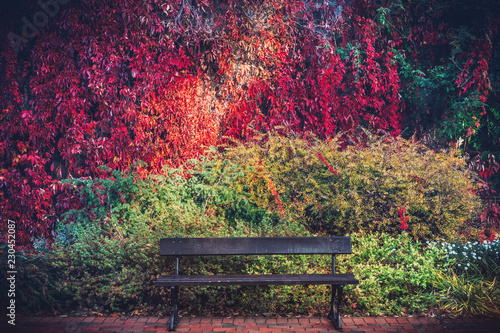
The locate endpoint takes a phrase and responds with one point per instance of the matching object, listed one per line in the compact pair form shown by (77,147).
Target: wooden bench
(178,247)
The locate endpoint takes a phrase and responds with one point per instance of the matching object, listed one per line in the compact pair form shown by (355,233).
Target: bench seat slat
(268,279)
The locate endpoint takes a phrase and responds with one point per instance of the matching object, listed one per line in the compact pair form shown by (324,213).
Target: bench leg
(334,315)
(174,315)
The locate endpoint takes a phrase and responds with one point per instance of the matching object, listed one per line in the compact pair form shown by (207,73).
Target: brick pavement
(251,324)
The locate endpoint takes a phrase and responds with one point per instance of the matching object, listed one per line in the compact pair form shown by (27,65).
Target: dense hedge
(105,256)
(360,188)
(102,273)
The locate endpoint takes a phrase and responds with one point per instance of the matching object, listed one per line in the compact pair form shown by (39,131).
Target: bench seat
(268,279)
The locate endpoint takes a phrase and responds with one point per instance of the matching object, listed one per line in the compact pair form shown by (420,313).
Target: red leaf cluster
(403,218)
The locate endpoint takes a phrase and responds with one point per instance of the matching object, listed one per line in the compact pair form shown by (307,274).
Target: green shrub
(104,272)
(360,188)
(396,275)
(36,282)
(106,257)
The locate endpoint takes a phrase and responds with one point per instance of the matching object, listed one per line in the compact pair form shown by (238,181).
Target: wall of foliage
(114,83)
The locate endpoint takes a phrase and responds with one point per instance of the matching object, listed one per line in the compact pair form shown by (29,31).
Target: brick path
(249,324)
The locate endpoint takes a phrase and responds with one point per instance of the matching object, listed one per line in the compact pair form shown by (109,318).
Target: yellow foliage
(477,298)
(360,188)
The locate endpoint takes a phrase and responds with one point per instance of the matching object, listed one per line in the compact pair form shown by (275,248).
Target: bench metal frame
(178,247)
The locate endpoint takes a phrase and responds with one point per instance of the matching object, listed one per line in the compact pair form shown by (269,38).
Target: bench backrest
(255,246)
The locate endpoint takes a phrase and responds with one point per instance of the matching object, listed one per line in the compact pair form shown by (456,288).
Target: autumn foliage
(389,185)
(117,82)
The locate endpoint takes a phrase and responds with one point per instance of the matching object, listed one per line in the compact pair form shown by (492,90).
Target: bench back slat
(255,246)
